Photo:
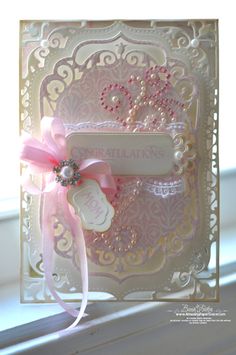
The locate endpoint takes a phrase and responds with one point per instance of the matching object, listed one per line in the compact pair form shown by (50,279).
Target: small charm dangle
(91,204)
(67,172)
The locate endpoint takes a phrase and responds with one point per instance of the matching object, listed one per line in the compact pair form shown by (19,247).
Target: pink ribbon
(41,157)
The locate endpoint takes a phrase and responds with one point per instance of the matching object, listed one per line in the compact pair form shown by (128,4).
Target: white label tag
(91,204)
(135,154)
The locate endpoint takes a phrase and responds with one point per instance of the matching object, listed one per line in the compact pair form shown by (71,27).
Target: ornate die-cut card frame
(134,79)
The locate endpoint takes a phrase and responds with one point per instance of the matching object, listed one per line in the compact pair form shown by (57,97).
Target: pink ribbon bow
(43,157)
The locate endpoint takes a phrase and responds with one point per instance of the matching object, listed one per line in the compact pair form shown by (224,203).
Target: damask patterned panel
(152,77)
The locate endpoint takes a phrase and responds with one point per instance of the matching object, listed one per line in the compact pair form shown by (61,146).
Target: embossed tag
(133,154)
(91,204)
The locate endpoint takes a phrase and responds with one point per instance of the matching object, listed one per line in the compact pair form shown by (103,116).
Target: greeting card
(119,161)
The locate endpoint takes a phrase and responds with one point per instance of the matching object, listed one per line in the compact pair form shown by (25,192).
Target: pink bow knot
(49,158)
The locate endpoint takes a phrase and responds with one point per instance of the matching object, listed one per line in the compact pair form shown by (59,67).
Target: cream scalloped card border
(53,58)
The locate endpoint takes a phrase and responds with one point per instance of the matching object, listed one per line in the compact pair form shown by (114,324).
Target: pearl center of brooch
(67,172)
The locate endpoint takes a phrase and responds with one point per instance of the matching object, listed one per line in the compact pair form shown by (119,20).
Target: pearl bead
(142,82)
(151,103)
(178,155)
(132,112)
(153,76)
(129,120)
(44,43)
(138,78)
(67,172)
(195,43)
(115,99)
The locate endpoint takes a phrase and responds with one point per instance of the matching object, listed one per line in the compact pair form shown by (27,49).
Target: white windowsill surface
(13,313)
(35,327)
(9,208)
(114,327)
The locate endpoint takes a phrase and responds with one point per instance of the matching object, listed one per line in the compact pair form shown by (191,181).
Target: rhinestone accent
(67,172)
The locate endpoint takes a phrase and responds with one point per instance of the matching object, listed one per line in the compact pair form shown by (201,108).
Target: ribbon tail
(48,247)
(77,232)
(81,249)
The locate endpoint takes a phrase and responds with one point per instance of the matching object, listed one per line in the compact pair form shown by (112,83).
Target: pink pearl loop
(105,100)
(155,93)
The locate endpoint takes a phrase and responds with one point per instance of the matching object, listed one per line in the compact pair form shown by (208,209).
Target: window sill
(9,208)
(116,326)
(108,323)
(14,314)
